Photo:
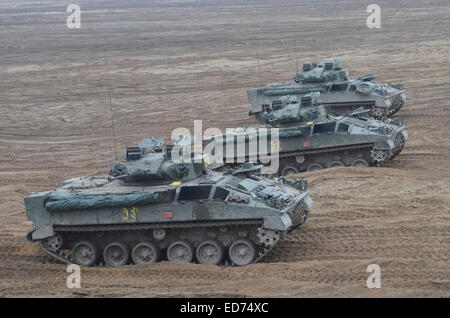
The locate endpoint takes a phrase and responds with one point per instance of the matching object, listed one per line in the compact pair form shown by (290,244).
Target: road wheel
(288,170)
(115,254)
(209,252)
(145,253)
(242,252)
(84,253)
(359,163)
(314,166)
(334,164)
(180,252)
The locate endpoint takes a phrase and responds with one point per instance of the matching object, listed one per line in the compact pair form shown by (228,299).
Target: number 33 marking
(129,214)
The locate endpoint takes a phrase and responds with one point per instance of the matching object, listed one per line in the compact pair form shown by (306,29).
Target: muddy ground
(171,62)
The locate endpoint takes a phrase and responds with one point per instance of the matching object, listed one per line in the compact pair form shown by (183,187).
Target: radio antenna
(295,49)
(111,110)
(259,67)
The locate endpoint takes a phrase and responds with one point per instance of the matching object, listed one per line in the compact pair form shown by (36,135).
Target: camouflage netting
(293,91)
(290,134)
(66,202)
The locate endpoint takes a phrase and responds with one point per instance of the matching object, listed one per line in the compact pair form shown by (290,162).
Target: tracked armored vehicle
(308,138)
(340,92)
(153,208)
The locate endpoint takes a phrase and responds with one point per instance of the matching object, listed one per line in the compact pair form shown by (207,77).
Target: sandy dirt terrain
(171,62)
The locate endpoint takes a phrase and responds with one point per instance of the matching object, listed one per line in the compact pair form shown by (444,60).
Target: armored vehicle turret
(308,138)
(154,207)
(337,89)
(290,112)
